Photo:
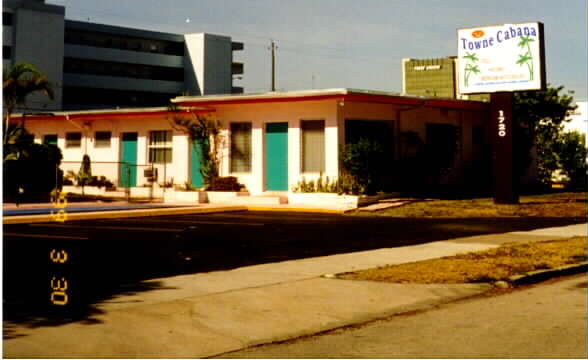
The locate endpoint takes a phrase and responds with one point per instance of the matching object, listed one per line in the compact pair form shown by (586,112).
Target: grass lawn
(548,205)
(481,266)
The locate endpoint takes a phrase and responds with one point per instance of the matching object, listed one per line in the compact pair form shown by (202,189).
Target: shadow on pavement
(114,263)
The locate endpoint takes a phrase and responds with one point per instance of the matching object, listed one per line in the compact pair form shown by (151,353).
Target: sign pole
(505,174)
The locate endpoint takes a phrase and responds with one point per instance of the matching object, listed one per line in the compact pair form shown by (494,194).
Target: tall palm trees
(17,83)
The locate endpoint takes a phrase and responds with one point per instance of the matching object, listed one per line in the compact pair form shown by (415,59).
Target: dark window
(241,147)
(102,139)
(50,139)
(376,131)
(113,41)
(73,140)
(7,19)
(6,52)
(111,68)
(442,146)
(477,135)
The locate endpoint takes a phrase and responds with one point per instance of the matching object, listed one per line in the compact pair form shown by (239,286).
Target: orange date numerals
(58,256)
(60,202)
(59,216)
(59,295)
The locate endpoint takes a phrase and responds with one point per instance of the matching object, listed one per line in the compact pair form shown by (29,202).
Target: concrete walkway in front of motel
(207,314)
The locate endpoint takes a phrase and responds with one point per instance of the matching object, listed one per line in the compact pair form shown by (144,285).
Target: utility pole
(273,48)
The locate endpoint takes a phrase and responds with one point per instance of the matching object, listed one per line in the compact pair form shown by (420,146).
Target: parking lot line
(85,226)
(200,222)
(44,236)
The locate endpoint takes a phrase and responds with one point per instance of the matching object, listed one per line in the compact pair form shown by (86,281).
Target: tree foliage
(29,168)
(363,161)
(19,82)
(570,158)
(85,173)
(205,135)
(540,116)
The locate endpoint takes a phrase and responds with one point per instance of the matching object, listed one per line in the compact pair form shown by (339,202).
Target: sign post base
(505,175)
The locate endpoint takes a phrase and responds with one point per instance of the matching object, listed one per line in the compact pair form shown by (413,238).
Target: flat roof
(89,114)
(371,96)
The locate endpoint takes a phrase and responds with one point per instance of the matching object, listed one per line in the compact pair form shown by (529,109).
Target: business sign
(507,57)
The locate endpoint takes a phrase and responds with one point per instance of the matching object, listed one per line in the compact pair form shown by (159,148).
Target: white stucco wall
(105,160)
(334,113)
(292,113)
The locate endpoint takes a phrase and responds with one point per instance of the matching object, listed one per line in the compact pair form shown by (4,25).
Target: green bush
(362,163)
(571,158)
(73,178)
(30,170)
(225,183)
(344,184)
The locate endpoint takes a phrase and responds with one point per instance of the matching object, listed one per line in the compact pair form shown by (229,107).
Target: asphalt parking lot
(103,257)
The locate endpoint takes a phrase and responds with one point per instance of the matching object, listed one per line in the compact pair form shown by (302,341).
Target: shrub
(71,178)
(362,163)
(344,184)
(101,181)
(225,183)
(29,169)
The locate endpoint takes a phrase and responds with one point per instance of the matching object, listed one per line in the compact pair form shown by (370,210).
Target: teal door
(128,169)
(197,180)
(276,157)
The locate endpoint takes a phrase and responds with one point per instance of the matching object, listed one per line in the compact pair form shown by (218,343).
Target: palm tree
(17,83)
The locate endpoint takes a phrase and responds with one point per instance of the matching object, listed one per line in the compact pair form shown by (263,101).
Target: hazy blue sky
(350,43)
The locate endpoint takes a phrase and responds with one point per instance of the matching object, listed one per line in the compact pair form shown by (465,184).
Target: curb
(303,210)
(28,219)
(534,277)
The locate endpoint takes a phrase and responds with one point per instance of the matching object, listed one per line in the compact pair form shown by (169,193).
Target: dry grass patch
(549,205)
(481,266)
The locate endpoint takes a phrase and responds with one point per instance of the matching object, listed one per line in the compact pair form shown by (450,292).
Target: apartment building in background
(102,66)
(434,78)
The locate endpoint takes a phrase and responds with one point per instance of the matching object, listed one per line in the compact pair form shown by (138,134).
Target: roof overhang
(353,95)
(111,113)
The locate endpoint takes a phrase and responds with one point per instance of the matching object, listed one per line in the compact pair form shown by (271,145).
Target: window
(6,52)
(160,147)
(73,140)
(442,146)
(7,19)
(313,145)
(102,139)
(241,147)
(477,135)
(50,139)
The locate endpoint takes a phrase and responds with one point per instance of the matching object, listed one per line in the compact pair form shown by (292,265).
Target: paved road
(543,321)
(106,256)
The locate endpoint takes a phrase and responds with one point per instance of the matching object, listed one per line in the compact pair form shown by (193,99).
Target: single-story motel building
(271,141)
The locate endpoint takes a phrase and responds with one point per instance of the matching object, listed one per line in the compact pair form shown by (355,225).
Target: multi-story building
(96,65)
(434,78)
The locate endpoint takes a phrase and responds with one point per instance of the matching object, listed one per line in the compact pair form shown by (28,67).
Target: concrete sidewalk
(203,315)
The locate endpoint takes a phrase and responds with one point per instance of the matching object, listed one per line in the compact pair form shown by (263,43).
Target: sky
(350,43)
